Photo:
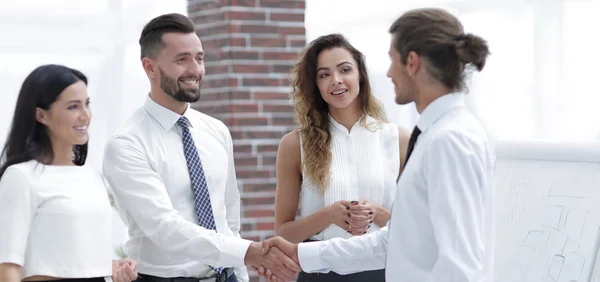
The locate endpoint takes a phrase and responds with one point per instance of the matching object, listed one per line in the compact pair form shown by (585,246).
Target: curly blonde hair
(312,112)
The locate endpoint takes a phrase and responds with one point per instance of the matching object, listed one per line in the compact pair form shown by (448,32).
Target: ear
(149,67)
(413,63)
(41,116)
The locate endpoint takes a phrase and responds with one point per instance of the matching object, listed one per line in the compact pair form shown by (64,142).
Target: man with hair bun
(442,221)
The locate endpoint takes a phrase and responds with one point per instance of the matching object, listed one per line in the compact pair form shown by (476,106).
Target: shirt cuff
(234,251)
(12,257)
(309,255)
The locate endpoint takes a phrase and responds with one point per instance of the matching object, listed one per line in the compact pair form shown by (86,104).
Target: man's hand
(277,244)
(124,270)
(282,263)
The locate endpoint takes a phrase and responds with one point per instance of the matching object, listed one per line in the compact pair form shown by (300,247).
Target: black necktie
(411,143)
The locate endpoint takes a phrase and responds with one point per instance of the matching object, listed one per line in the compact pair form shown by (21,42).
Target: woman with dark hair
(343,162)
(55,214)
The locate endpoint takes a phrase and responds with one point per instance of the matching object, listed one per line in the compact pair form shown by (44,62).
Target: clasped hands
(353,216)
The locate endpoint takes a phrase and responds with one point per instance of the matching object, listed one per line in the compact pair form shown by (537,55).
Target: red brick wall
(250,47)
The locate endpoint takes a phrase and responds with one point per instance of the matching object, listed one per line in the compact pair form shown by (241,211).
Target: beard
(172,88)
(407,91)
(406,95)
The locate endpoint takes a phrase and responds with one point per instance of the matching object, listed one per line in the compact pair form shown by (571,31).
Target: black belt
(96,279)
(215,278)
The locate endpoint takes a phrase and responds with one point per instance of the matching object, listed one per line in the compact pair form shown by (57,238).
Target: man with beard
(172,173)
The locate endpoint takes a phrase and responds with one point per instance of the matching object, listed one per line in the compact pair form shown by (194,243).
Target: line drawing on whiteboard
(557,191)
(548,213)
(554,230)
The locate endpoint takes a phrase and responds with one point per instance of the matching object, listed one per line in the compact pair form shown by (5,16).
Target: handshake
(274,258)
(277,259)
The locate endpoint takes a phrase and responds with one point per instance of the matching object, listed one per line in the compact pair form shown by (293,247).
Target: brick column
(250,47)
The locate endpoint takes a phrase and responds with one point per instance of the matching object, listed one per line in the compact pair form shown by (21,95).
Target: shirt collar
(438,108)
(165,117)
(369,121)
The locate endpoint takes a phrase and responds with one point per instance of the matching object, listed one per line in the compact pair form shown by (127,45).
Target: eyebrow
(201,53)
(77,101)
(338,65)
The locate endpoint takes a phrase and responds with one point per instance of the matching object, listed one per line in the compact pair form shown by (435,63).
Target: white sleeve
(345,256)
(457,177)
(142,197)
(233,202)
(17,207)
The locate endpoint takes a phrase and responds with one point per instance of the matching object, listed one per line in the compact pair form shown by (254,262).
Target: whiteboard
(547,211)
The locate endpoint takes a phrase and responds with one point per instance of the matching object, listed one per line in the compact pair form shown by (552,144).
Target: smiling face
(338,78)
(68,118)
(181,66)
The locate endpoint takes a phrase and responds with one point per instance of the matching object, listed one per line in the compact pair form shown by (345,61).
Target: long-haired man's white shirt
(146,168)
(442,222)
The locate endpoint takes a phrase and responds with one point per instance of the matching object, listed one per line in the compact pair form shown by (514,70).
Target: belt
(96,279)
(215,278)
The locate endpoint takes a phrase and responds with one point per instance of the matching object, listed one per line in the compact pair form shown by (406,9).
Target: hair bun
(472,49)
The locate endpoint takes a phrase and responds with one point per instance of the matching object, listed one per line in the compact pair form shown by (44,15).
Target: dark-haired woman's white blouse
(55,221)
